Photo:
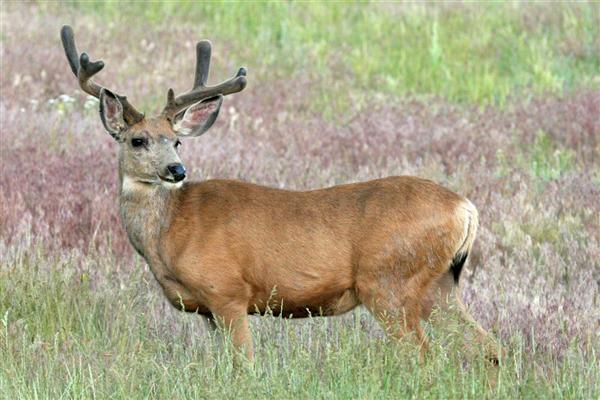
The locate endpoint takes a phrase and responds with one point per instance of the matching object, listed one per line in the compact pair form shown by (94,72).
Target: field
(500,103)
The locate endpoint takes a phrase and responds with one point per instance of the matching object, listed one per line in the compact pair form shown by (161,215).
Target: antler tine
(203,50)
(84,70)
(200,90)
(68,41)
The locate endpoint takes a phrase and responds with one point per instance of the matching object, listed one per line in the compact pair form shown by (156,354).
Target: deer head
(148,146)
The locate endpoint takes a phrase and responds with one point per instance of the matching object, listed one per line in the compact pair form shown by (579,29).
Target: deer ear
(111,113)
(198,118)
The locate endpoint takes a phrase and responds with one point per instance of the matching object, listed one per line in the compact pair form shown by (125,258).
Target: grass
(498,102)
(477,54)
(543,159)
(113,339)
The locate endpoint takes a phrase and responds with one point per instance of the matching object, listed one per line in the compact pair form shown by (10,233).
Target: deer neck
(145,213)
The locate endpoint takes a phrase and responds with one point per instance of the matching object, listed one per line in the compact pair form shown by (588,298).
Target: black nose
(177,170)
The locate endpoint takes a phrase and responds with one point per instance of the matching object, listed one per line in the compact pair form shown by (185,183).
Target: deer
(227,249)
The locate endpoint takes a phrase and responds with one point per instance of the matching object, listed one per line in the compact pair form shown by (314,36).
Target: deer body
(296,253)
(226,249)
(320,253)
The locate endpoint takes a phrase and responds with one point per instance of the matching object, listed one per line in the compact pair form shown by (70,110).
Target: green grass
(61,336)
(544,159)
(477,54)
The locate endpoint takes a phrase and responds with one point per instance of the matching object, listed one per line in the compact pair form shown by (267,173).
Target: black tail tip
(457,264)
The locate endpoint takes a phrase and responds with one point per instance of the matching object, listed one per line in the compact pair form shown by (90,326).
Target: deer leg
(444,295)
(395,304)
(232,318)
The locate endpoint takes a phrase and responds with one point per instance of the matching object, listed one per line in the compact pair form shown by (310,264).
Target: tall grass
(64,335)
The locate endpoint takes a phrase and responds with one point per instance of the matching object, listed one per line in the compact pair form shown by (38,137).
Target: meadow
(500,103)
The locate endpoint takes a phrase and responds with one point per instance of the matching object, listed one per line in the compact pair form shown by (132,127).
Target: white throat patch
(131,185)
(172,185)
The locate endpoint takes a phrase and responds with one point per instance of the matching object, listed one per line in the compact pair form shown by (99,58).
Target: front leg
(232,317)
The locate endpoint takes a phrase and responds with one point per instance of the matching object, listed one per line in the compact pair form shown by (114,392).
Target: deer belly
(294,305)
(303,282)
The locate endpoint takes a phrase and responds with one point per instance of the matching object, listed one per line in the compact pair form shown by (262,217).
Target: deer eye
(139,142)
(177,144)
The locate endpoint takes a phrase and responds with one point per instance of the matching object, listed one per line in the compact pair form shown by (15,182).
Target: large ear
(111,113)
(198,118)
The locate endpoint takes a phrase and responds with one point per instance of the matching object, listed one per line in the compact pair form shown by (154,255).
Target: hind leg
(444,297)
(395,303)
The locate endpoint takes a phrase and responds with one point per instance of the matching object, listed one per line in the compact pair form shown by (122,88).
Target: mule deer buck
(226,249)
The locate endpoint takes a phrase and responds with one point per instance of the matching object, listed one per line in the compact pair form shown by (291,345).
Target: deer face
(148,146)
(148,149)
(148,154)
